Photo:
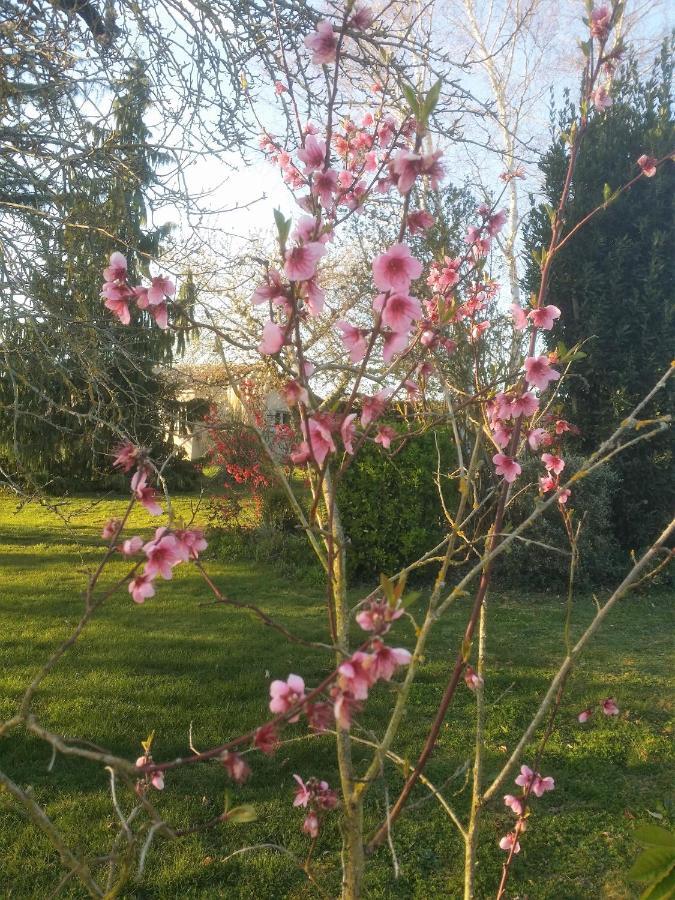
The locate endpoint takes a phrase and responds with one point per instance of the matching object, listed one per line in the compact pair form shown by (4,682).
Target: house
(207,389)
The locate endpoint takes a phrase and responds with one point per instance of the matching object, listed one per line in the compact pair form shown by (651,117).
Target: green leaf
(388,589)
(607,193)
(283,226)
(412,99)
(662,890)
(431,100)
(245,813)
(652,864)
(653,836)
(410,598)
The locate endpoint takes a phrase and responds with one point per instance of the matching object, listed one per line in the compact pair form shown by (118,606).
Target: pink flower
(395,269)
(564,496)
(303,794)
(515,804)
(311,824)
(501,435)
(541,785)
(585,715)
(161,287)
(536,438)
(324,185)
(273,339)
(356,675)
(395,342)
(519,317)
(538,372)
(601,99)
(506,466)
(313,296)
(412,388)
(301,454)
(164,552)
(361,18)
(545,316)
(271,291)
(141,587)
(293,392)
(354,340)
(648,165)
(266,739)
(279,87)
(473,679)
(320,438)
(286,694)
(191,542)
(526,777)
(509,840)
(385,435)
(110,529)
(547,483)
(406,166)
(600,20)
(524,405)
(312,154)
(160,313)
(373,407)
(237,768)
(301,261)
(131,546)
(347,433)
(344,707)
(157,780)
(386,660)
(144,493)
(496,222)
(419,221)
(553,463)
(609,707)
(432,168)
(117,267)
(118,304)
(126,456)
(398,310)
(319,716)
(378,616)
(322,43)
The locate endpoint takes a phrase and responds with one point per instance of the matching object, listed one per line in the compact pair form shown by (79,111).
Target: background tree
(614,281)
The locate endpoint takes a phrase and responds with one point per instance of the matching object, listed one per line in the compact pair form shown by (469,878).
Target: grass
(179,661)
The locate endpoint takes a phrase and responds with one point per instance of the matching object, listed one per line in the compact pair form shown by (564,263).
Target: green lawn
(175,661)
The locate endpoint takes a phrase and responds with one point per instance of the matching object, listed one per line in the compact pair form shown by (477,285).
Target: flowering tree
(421,315)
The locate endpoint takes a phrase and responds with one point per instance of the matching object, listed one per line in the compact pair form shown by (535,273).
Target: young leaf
(412,99)
(653,836)
(245,813)
(652,864)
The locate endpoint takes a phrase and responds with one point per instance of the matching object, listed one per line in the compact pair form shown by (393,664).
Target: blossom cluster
(316,797)
(118,293)
(608,707)
(532,783)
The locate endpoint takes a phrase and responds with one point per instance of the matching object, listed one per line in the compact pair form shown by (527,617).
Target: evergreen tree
(614,283)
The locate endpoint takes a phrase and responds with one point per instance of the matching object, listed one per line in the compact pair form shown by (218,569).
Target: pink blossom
(320,438)
(508,841)
(506,466)
(562,425)
(386,660)
(141,587)
(385,435)
(144,493)
(395,269)
(110,529)
(301,454)
(266,739)
(601,99)
(161,287)
(538,372)
(472,678)
(237,768)
(524,405)
(118,304)
(378,616)
(191,542)
(293,392)
(406,166)
(496,222)
(648,165)
(541,785)
(344,707)
(526,777)
(279,87)
(356,675)
(126,456)
(395,342)
(286,694)
(313,296)
(609,707)
(386,130)
(301,261)
(600,21)
(324,185)
(160,313)
(519,317)
(303,794)
(354,340)
(157,780)
(312,154)
(361,18)
(272,340)
(311,824)
(544,316)
(419,221)
(547,483)
(322,43)
(501,435)
(164,552)
(271,290)
(398,310)
(117,267)
(585,715)
(319,716)
(131,546)
(432,168)
(412,388)
(564,496)
(536,438)
(373,407)
(347,432)
(553,463)
(515,804)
